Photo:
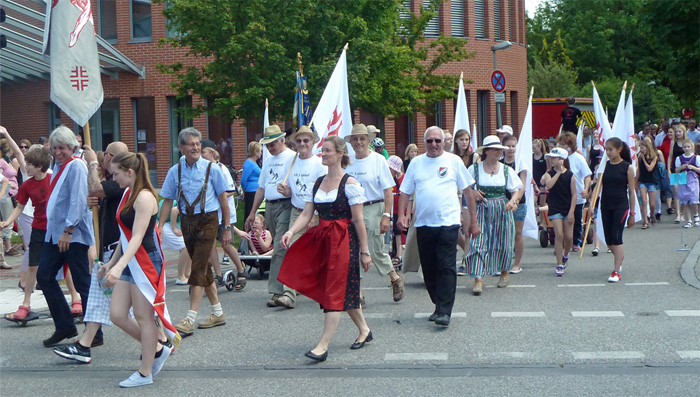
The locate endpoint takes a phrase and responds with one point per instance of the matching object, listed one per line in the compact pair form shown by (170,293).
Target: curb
(690,269)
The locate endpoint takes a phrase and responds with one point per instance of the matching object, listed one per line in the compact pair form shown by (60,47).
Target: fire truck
(546,115)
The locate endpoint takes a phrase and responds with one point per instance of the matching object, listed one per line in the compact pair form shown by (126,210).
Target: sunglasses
(23,147)
(433,140)
(305,140)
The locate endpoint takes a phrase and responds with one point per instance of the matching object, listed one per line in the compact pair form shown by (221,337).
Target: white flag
(76,84)
(603,127)
(579,139)
(523,161)
(461,114)
(632,143)
(332,115)
(266,123)
(475,138)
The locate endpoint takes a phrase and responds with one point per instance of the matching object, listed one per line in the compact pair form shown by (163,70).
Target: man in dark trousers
(570,116)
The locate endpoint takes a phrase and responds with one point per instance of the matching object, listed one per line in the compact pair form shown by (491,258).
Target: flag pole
(95,221)
(588,224)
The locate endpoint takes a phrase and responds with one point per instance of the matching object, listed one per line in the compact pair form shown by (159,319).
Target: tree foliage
(251,51)
(552,80)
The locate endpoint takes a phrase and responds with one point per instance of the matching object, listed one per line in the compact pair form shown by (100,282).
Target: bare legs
(519,246)
(330,325)
(618,252)
(183,265)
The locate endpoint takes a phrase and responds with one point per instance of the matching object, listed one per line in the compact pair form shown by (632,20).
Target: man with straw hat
(302,176)
(371,170)
(277,209)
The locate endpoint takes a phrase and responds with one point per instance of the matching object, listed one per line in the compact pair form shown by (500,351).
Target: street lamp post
(504,45)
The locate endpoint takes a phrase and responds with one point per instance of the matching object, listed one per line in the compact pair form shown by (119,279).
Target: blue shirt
(250,176)
(70,208)
(192,183)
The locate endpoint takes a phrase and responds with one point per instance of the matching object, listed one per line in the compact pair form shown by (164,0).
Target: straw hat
(360,129)
(304,129)
(491,142)
(272,133)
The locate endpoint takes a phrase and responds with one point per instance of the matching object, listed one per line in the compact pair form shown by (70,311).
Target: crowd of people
(326,220)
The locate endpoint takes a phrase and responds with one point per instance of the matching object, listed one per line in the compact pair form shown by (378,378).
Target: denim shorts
(520,213)
(157,262)
(557,216)
(651,187)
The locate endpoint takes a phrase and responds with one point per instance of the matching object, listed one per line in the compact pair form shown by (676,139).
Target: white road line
(642,284)
(689,354)
(608,355)
(415,356)
(683,313)
(580,285)
(518,314)
(610,313)
(454,315)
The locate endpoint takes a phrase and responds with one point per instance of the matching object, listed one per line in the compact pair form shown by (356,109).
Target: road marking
(580,285)
(610,313)
(642,284)
(518,314)
(608,355)
(689,354)
(683,313)
(454,315)
(415,356)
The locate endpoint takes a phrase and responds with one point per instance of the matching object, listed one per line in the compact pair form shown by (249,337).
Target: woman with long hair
(648,184)
(410,152)
(463,148)
(250,176)
(136,268)
(678,135)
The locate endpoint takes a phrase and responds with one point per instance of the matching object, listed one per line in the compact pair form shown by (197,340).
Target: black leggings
(614,221)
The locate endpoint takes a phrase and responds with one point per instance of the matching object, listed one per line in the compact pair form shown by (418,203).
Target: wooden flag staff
(95,219)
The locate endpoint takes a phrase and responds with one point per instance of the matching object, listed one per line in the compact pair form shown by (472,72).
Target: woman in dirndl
(323,263)
(497,194)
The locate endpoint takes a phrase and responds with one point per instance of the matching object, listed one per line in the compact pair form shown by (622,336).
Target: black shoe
(658,216)
(58,336)
(97,341)
(442,319)
(670,211)
(433,316)
(74,351)
(360,345)
(317,357)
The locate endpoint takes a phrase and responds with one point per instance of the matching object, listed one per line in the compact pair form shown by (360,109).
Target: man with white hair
(436,177)
(69,233)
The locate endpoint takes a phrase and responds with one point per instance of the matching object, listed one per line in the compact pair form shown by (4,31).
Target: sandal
(76,307)
(645,225)
(397,263)
(20,314)
(241,281)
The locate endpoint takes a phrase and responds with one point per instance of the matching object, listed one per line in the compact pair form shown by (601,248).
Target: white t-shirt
(581,170)
(696,162)
(273,172)
(372,172)
(302,178)
(436,182)
(231,199)
(498,179)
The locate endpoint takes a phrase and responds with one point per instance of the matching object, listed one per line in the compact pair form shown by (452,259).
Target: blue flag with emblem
(302,108)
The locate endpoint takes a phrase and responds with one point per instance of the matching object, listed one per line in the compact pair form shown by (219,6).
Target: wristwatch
(227,227)
(386,214)
(366,253)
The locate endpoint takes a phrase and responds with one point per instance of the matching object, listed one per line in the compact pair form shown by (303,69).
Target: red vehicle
(546,115)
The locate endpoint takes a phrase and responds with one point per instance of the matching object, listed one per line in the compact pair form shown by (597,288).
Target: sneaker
(136,380)
(285,301)
(614,277)
(213,321)
(462,271)
(12,252)
(272,302)
(565,260)
(658,216)
(180,282)
(398,288)
(74,351)
(225,259)
(158,362)
(58,336)
(184,327)
(670,211)
(595,251)
(559,270)
(576,248)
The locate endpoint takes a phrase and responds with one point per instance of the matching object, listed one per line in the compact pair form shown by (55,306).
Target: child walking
(561,184)
(689,163)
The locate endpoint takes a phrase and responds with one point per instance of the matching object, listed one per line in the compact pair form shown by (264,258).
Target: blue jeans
(51,262)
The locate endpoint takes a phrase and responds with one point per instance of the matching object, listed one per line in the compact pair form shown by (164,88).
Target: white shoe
(136,380)
(614,277)
(225,259)
(688,225)
(160,361)
(180,282)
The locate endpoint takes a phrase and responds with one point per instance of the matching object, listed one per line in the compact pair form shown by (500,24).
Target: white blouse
(485,179)
(354,193)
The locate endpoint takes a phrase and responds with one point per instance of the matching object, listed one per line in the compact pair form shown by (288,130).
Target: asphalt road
(543,335)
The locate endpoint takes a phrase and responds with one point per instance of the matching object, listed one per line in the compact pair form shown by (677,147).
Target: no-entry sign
(498,81)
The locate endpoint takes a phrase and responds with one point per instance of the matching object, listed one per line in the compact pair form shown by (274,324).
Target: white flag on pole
(332,115)
(266,123)
(523,161)
(632,143)
(461,113)
(474,142)
(604,133)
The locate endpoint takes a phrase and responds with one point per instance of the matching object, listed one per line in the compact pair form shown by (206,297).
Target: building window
(220,132)
(457,18)
(369,118)
(497,20)
(479,19)
(141,29)
(107,11)
(514,117)
(177,122)
(171,30)
(433,27)
(104,125)
(145,127)
(54,116)
(482,110)
(511,11)
(404,13)
(403,134)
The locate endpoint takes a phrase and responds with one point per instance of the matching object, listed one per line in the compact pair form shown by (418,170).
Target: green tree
(251,46)
(552,80)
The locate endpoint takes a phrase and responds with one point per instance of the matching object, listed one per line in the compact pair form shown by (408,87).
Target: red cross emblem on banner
(79,78)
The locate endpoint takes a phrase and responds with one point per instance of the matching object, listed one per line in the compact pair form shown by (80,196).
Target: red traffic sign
(498,81)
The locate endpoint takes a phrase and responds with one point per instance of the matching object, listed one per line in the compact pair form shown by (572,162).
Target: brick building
(140,107)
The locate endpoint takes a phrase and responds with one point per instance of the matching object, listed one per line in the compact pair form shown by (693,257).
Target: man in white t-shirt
(692,132)
(436,177)
(277,209)
(370,169)
(582,173)
(302,177)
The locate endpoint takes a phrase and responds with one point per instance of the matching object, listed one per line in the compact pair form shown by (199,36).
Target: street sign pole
(498,104)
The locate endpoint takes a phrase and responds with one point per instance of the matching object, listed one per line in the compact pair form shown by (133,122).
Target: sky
(531,6)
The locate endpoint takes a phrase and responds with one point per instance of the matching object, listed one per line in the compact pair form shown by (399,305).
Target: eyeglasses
(194,144)
(305,140)
(23,147)
(433,140)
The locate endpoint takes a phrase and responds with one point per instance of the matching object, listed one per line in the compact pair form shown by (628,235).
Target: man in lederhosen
(200,190)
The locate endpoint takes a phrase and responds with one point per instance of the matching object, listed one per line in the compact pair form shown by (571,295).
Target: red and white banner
(76,85)
(332,115)
(461,115)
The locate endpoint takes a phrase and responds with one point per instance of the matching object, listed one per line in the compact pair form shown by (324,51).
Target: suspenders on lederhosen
(201,197)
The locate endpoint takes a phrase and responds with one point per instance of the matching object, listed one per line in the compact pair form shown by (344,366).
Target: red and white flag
(462,114)
(76,85)
(332,115)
